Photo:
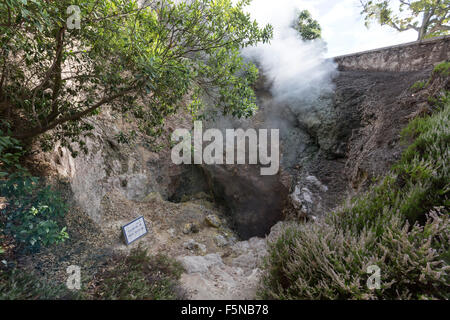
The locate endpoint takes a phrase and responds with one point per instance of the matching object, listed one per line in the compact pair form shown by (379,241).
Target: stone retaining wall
(413,56)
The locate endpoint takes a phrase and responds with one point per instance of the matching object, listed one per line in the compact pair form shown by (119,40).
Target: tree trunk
(423,31)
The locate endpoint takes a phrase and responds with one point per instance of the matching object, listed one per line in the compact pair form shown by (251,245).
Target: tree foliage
(307,27)
(141,60)
(429,18)
(10,153)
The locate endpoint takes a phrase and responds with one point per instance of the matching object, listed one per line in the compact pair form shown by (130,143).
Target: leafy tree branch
(142,61)
(429,18)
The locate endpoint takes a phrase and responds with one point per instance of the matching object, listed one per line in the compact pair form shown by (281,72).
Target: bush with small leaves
(322,261)
(33,213)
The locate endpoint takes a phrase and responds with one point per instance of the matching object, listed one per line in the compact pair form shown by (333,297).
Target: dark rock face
(384,111)
(255,203)
(361,140)
(188,182)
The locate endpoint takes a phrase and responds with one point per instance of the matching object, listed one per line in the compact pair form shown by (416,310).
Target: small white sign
(134,230)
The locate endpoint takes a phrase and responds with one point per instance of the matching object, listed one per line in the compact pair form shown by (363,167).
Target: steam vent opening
(254,202)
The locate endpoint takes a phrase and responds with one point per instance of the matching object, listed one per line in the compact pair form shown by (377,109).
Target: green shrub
(322,261)
(33,212)
(142,277)
(387,227)
(419,85)
(443,69)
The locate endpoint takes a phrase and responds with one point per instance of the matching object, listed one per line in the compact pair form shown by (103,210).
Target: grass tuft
(16,284)
(140,276)
(443,69)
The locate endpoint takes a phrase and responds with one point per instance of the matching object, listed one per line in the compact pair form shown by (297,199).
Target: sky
(343,27)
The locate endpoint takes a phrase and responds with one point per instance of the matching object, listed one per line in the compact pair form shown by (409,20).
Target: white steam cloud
(297,69)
